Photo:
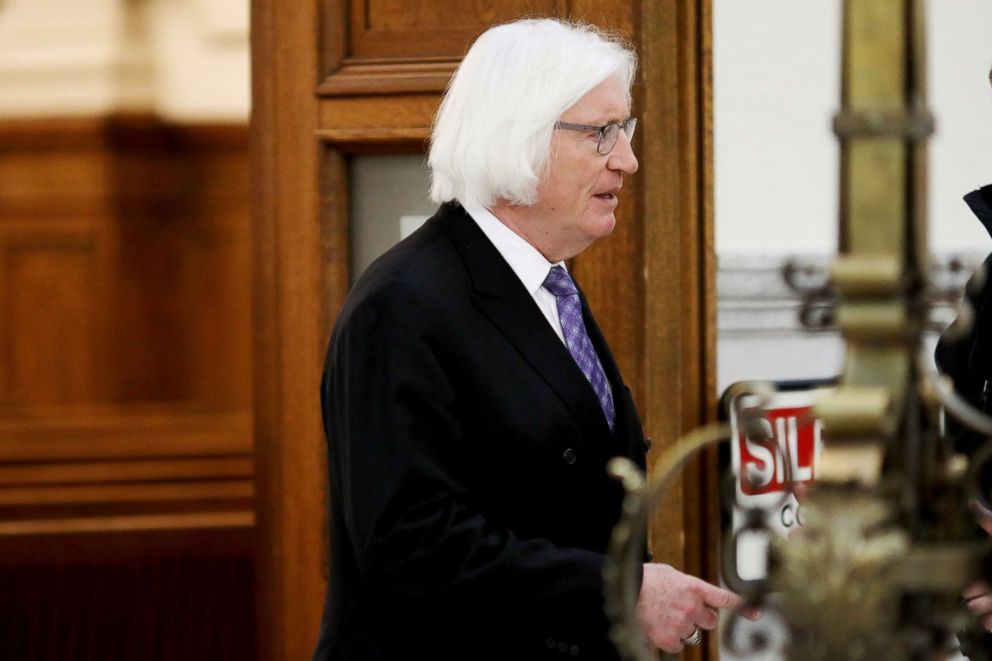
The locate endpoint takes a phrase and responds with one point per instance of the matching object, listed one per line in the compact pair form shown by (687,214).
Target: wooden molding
(397,47)
(118,433)
(121,463)
(118,131)
(386,140)
(130,524)
(287,340)
(386,78)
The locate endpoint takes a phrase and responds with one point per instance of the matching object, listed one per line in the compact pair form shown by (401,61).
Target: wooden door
(336,78)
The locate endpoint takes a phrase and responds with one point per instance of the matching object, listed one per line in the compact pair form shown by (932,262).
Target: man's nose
(622,157)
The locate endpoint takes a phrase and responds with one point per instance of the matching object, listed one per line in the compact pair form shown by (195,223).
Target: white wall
(57,57)
(961,150)
(776,77)
(184,60)
(201,50)
(776,89)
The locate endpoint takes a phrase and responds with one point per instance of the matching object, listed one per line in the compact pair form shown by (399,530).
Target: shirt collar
(525,260)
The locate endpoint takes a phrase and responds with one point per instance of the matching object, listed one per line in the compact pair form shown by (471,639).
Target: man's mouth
(610,194)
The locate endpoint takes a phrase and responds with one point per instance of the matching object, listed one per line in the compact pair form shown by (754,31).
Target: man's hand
(672,604)
(978,598)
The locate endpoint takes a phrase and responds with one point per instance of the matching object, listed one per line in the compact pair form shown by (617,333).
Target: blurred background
(776,88)
(126,503)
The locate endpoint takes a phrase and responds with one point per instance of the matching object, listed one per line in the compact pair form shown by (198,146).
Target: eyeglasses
(608,133)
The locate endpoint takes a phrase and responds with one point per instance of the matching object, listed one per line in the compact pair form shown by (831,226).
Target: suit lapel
(509,306)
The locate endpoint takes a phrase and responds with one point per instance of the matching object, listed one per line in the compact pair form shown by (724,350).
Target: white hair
(492,134)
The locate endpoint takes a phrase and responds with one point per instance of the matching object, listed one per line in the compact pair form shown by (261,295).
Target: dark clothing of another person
(968,360)
(470,503)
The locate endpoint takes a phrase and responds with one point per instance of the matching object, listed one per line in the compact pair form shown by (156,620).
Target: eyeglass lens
(608,138)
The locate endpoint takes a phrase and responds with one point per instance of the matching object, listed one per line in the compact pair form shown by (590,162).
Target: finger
(751,613)
(975,590)
(982,515)
(708,619)
(981,606)
(986,622)
(715,597)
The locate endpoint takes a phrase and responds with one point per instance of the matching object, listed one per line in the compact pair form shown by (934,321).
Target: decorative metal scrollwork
(889,542)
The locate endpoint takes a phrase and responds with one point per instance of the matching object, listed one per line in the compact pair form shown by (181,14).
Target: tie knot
(559,282)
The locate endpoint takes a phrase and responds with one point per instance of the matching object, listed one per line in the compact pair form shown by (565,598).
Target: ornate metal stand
(888,543)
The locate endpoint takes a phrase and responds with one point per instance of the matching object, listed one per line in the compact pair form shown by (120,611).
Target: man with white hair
(470,401)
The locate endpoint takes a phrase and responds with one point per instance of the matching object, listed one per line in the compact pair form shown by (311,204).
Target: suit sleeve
(395,449)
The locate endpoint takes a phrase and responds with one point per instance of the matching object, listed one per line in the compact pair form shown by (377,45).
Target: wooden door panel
(51,320)
(390,46)
(403,15)
(430,28)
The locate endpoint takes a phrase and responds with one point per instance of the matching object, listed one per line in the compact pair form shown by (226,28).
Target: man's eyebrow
(613,119)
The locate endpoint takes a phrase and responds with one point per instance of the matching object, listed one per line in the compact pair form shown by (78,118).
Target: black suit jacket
(470,505)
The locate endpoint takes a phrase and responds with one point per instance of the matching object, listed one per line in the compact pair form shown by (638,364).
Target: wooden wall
(126,493)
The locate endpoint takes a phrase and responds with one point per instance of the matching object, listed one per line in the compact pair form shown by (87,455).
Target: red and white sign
(763,466)
(766,465)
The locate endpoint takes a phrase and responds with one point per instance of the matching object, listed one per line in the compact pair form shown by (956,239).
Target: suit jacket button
(569,456)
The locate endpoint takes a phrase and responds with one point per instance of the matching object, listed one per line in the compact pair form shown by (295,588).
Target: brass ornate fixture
(888,542)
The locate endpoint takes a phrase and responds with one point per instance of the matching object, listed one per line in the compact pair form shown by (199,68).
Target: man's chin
(605,225)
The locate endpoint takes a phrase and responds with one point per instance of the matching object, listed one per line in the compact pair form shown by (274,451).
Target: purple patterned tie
(577,340)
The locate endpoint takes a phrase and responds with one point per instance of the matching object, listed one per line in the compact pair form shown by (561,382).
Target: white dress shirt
(525,260)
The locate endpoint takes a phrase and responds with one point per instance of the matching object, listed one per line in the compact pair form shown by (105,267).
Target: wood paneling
(287,278)
(61,464)
(408,29)
(118,432)
(53,320)
(126,534)
(371,84)
(393,46)
(168,609)
(134,235)
(414,17)
(126,471)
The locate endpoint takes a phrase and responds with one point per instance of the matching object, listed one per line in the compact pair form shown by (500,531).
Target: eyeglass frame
(628,126)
